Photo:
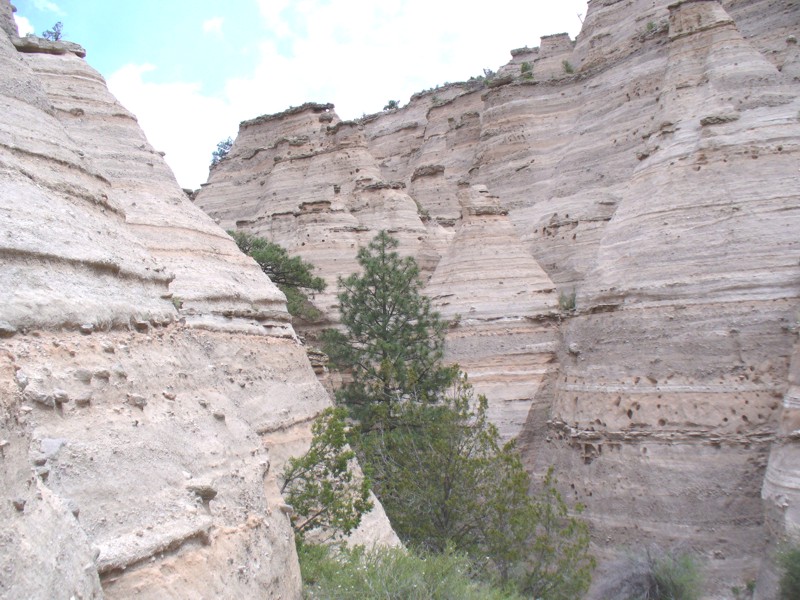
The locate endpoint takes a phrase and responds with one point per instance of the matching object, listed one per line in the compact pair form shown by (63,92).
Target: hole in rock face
(661,422)
(630,413)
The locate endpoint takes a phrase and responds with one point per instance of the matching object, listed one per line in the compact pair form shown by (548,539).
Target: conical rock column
(503,309)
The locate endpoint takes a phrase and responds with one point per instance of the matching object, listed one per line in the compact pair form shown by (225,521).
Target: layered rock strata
(152,385)
(781,489)
(682,338)
(646,174)
(504,321)
(344,199)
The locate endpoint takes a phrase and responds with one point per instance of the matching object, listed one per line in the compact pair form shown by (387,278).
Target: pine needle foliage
(55,34)
(394,342)
(436,461)
(223,149)
(294,276)
(321,486)
(446,481)
(789,560)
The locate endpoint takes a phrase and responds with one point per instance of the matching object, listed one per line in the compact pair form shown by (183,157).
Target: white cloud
(213,26)
(356,55)
(177,118)
(49,6)
(23,25)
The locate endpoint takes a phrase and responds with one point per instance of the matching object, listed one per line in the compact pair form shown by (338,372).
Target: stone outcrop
(504,321)
(151,383)
(612,224)
(781,490)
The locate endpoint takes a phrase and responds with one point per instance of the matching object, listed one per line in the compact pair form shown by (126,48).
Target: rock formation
(152,383)
(646,173)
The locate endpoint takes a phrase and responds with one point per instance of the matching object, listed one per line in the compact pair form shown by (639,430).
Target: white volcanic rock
(214,283)
(683,317)
(344,200)
(781,490)
(151,385)
(658,183)
(504,320)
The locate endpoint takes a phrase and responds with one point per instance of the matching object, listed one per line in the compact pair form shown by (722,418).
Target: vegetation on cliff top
(54,34)
(223,148)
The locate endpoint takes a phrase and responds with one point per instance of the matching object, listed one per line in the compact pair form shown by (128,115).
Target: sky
(191,70)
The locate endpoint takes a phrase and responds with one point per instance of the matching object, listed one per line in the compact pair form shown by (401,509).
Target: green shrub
(789,561)
(321,486)
(652,574)
(675,578)
(568,68)
(391,573)
(525,67)
(566,302)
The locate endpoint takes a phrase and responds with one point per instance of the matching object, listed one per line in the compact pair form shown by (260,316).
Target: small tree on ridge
(55,33)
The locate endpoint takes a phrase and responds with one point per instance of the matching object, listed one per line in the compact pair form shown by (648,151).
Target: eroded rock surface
(646,173)
(151,383)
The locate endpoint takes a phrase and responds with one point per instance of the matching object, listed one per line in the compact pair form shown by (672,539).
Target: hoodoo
(152,384)
(611,224)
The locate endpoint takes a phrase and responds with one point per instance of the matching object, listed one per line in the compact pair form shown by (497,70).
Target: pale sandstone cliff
(659,183)
(151,384)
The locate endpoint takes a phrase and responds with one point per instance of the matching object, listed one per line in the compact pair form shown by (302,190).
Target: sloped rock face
(348,194)
(781,490)
(504,321)
(685,341)
(151,384)
(649,171)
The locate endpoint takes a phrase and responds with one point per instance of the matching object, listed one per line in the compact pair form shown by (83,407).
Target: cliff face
(650,169)
(152,384)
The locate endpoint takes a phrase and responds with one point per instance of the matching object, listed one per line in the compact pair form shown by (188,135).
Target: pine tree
(223,148)
(394,340)
(54,34)
(447,482)
(435,460)
(294,276)
(321,486)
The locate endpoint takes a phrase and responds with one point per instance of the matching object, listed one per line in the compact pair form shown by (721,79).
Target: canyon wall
(611,223)
(152,383)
